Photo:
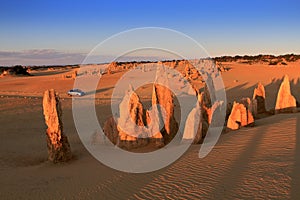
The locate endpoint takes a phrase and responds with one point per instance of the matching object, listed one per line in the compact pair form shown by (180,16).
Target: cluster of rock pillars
(133,115)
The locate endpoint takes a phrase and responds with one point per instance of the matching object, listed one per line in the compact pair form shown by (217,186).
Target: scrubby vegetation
(246,59)
(268,59)
(16,70)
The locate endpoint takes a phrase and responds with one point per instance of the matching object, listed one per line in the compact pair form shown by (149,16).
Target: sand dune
(251,163)
(259,162)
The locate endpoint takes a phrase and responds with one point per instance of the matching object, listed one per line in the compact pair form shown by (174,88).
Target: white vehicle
(76,92)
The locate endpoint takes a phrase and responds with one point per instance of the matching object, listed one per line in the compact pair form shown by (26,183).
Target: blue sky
(49,31)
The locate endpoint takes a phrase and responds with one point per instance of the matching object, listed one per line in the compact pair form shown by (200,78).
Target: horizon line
(143,60)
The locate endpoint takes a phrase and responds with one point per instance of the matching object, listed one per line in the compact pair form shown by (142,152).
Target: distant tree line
(273,60)
(15,70)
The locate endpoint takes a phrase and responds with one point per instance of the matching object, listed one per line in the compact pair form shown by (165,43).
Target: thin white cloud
(54,57)
(39,57)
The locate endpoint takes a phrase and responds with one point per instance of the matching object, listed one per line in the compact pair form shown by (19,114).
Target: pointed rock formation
(154,123)
(131,109)
(130,130)
(98,138)
(210,111)
(204,114)
(110,129)
(260,96)
(58,146)
(240,116)
(251,106)
(163,97)
(206,97)
(193,125)
(113,67)
(131,116)
(234,119)
(209,92)
(286,102)
(250,118)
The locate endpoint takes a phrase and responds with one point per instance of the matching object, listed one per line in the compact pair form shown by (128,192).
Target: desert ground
(260,162)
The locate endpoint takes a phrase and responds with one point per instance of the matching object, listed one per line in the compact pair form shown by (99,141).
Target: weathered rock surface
(160,123)
(260,96)
(209,96)
(110,129)
(131,110)
(240,116)
(193,125)
(235,117)
(58,146)
(113,67)
(251,105)
(163,97)
(254,107)
(131,122)
(130,130)
(210,111)
(286,102)
(153,124)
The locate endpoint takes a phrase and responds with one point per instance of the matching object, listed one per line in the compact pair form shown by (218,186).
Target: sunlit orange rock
(153,123)
(260,96)
(163,97)
(131,116)
(286,102)
(240,116)
(58,146)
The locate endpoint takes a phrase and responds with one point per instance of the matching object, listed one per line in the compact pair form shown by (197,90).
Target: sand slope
(249,163)
(261,162)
